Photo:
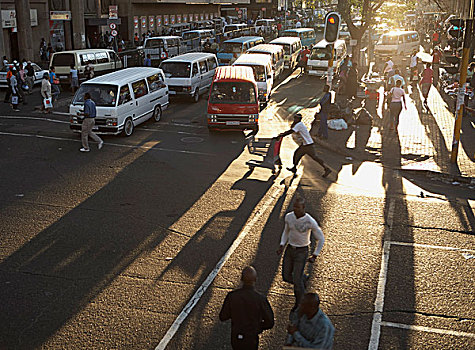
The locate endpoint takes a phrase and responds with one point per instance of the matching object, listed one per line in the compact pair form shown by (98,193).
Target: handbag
(48,103)
(14,100)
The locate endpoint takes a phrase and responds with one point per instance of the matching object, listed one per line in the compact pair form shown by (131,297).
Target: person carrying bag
(46,94)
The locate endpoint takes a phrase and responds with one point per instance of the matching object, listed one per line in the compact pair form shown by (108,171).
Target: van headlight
(111,121)
(253,118)
(213,118)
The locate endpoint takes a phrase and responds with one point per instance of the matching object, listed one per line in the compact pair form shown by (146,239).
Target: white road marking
(108,144)
(266,202)
(61,113)
(428,329)
(418,245)
(383,273)
(35,118)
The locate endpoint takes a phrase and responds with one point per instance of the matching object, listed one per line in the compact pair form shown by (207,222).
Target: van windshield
(63,60)
(231,48)
(233,92)
(320,53)
(153,43)
(102,95)
(259,72)
(388,40)
(176,69)
(286,48)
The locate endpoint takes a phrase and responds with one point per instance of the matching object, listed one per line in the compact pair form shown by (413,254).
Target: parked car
(38,74)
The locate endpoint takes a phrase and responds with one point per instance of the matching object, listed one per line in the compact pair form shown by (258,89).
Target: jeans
(395,108)
(293,266)
(310,150)
(55,91)
(86,131)
(323,126)
(30,82)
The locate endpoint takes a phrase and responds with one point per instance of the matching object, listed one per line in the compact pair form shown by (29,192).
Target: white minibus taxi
(276,52)
(320,54)
(124,99)
(292,47)
(261,64)
(190,74)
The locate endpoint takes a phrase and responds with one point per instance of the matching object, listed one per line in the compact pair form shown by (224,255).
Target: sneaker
(293,169)
(84,149)
(99,146)
(327,172)
(16,109)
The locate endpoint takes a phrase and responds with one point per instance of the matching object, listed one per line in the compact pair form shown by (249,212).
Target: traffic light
(454,62)
(456,30)
(332,27)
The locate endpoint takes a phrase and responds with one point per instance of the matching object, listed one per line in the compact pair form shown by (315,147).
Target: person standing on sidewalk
(436,56)
(324,102)
(30,77)
(299,225)
(250,313)
(425,83)
(88,122)
(302,137)
(395,107)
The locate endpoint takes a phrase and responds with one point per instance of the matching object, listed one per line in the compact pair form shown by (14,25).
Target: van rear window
(153,43)
(63,60)
(102,95)
(176,69)
(233,92)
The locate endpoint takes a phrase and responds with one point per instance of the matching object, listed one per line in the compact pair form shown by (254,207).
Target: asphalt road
(106,249)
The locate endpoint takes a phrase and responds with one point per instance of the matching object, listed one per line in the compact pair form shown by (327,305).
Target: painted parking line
(153,148)
(428,246)
(427,329)
(263,207)
(34,118)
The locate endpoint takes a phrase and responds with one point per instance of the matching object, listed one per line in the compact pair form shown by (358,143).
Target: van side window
(195,69)
(203,67)
(140,88)
(124,95)
(113,56)
(155,82)
(101,57)
(212,63)
(87,58)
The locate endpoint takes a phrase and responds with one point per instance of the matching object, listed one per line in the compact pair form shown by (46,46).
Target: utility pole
(25,41)
(79,29)
(461,92)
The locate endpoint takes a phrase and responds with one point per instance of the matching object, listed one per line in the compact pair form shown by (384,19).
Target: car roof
(164,37)
(285,40)
(234,73)
(191,56)
(266,48)
(124,76)
(244,39)
(324,43)
(82,51)
(254,59)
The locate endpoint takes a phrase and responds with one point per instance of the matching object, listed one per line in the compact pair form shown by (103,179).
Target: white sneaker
(99,146)
(84,149)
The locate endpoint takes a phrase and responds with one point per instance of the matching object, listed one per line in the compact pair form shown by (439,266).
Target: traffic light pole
(461,92)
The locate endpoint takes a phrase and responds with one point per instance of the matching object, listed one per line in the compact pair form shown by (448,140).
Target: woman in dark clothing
(352,81)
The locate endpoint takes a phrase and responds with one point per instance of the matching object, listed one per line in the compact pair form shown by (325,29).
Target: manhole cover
(191,139)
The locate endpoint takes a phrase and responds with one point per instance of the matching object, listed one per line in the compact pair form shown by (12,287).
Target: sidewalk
(424,139)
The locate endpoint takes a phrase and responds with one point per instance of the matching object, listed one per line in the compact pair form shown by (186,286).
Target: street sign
(112,26)
(60,15)
(113,12)
(114,32)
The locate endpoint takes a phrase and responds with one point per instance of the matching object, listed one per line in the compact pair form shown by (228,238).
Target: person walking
(436,56)
(250,313)
(46,94)
(397,96)
(53,79)
(9,87)
(147,62)
(302,137)
(298,228)
(30,77)
(88,121)
(425,83)
(310,327)
(303,59)
(352,81)
(324,102)
(74,76)
(394,78)
(14,90)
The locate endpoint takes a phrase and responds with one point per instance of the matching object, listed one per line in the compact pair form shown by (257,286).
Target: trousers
(293,266)
(309,150)
(86,131)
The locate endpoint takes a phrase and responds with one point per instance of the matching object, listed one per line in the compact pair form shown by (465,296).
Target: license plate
(232,122)
(63,77)
(312,72)
(171,92)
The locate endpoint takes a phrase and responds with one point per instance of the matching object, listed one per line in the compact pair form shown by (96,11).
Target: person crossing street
(88,120)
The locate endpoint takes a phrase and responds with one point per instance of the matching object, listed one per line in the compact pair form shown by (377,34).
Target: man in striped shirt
(310,327)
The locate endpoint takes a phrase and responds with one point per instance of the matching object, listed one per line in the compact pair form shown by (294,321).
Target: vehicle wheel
(196,96)
(157,113)
(128,127)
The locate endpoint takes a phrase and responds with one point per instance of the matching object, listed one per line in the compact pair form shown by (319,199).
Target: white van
(320,54)
(102,60)
(190,74)
(234,30)
(261,64)
(124,99)
(162,47)
(276,52)
(292,47)
(264,26)
(396,45)
(195,39)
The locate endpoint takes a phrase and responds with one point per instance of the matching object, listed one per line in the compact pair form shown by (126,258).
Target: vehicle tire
(157,113)
(128,127)
(196,96)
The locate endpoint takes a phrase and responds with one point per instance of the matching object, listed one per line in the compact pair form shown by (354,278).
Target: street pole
(285,15)
(461,91)
(330,67)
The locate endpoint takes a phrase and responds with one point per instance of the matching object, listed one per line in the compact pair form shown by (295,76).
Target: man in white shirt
(388,66)
(302,137)
(298,227)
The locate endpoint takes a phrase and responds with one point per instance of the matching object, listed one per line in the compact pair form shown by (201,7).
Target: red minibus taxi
(233,102)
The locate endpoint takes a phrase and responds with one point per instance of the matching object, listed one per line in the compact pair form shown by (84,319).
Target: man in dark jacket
(249,311)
